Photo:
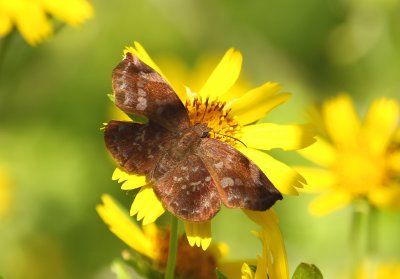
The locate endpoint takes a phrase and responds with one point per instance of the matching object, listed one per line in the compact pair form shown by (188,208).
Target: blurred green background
(53,102)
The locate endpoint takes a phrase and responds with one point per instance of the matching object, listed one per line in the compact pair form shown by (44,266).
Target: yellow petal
(256,103)
(147,206)
(142,54)
(224,76)
(117,114)
(32,23)
(380,124)
(329,202)
(218,250)
(341,121)
(178,74)
(264,219)
(279,262)
(394,161)
(198,234)
(267,136)
(284,178)
(232,269)
(73,12)
(123,227)
(320,152)
(386,197)
(273,262)
(132,181)
(318,180)
(5,24)
(119,175)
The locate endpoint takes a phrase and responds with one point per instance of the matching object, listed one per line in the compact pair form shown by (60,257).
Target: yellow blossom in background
(378,270)
(31,17)
(356,158)
(152,242)
(5,194)
(231,115)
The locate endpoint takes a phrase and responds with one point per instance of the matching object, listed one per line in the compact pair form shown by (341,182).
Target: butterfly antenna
(230,137)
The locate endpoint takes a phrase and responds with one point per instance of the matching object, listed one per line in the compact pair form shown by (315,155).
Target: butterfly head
(202,130)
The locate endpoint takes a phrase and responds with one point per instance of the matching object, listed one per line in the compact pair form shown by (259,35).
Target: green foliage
(111,97)
(220,275)
(307,271)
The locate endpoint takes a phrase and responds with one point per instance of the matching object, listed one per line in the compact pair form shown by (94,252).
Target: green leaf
(138,118)
(142,266)
(111,97)
(307,271)
(220,275)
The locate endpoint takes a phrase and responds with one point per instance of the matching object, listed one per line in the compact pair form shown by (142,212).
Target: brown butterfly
(191,172)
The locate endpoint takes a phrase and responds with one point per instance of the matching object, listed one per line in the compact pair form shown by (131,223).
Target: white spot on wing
(142,103)
(195,183)
(219,165)
(141,92)
(177,179)
(226,182)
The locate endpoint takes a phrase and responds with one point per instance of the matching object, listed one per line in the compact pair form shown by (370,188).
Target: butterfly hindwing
(188,190)
(240,183)
(136,147)
(140,90)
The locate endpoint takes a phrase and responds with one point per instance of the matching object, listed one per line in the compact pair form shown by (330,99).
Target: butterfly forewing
(138,89)
(240,183)
(136,147)
(188,190)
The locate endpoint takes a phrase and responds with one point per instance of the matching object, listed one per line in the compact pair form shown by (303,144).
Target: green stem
(372,233)
(356,235)
(173,249)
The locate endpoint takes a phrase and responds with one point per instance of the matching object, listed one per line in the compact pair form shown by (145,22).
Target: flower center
(191,262)
(216,115)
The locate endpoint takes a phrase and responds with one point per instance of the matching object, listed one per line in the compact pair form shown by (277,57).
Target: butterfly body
(192,174)
(182,144)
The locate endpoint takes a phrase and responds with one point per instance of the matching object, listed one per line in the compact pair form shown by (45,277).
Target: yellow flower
(31,16)
(383,270)
(232,116)
(152,242)
(357,159)
(5,195)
